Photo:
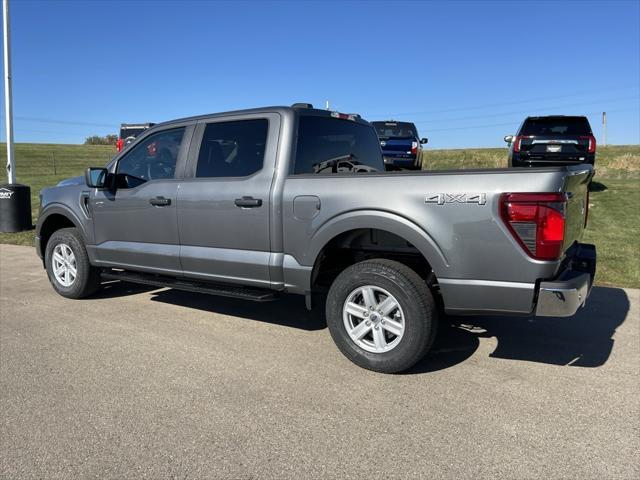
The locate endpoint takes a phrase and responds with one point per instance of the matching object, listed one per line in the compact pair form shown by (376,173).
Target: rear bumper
(400,162)
(551,160)
(563,296)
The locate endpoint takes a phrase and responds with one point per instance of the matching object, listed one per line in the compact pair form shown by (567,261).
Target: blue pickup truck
(401,146)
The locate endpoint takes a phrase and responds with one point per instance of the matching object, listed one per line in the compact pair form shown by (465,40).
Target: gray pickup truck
(252,203)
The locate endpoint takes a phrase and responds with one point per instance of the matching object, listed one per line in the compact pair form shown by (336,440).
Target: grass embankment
(619,161)
(614,216)
(41,165)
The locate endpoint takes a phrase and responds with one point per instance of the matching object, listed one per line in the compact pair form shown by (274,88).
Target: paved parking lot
(140,383)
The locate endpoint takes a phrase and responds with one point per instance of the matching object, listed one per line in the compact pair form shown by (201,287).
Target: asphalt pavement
(151,383)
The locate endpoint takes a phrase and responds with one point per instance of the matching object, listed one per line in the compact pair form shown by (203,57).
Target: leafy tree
(110,139)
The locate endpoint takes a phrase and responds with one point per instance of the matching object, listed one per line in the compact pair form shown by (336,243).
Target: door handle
(248,202)
(160,201)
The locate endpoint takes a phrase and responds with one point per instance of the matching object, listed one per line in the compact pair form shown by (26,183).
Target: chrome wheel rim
(373,319)
(64,265)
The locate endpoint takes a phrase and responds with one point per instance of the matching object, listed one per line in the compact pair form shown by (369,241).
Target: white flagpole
(11,172)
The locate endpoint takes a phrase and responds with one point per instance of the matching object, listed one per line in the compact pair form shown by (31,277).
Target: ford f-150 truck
(251,203)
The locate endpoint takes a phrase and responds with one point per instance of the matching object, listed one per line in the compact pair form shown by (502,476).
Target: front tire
(68,267)
(381,315)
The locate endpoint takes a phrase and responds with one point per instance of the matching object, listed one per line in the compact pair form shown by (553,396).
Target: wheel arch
(393,226)
(52,219)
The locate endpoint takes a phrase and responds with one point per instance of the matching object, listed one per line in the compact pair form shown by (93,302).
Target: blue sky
(466,73)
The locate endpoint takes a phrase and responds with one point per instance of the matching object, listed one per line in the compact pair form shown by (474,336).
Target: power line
(471,127)
(54,132)
(518,102)
(65,122)
(520,112)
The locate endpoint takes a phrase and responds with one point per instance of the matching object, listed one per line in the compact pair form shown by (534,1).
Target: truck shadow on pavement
(287,311)
(584,340)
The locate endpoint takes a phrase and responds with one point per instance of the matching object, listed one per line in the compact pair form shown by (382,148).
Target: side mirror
(424,140)
(508,138)
(95,177)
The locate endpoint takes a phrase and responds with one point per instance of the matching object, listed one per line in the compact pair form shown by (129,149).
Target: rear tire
(68,267)
(398,306)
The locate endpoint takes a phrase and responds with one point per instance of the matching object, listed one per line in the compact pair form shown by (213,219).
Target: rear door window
(332,145)
(556,126)
(232,149)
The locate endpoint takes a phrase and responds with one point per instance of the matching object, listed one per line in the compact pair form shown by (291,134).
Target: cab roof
(296,109)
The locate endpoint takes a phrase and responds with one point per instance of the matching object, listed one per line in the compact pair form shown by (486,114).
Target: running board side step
(234,291)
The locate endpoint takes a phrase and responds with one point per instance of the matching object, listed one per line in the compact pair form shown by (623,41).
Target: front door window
(153,158)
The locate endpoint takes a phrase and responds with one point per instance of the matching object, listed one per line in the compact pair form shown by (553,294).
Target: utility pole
(604,129)
(15,199)
(11,173)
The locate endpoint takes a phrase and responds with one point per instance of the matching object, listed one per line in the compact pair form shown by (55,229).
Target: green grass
(614,216)
(614,227)
(42,165)
(619,161)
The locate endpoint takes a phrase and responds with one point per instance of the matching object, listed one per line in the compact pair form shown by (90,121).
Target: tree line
(110,139)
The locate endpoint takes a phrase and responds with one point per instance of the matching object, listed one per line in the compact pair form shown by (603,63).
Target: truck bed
(452,217)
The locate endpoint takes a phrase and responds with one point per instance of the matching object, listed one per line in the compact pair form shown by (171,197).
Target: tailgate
(545,145)
(576,186)
(397,147)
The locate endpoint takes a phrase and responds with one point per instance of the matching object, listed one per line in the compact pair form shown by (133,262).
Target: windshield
(556,126)
(395,129)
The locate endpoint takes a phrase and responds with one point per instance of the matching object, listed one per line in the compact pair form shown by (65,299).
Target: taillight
(344,116)
(518,141)
(536,221)
(516,144)
(119,144)
(414,148)
(592,143)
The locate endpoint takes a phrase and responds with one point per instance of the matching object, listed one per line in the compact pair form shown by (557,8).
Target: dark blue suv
(401,146)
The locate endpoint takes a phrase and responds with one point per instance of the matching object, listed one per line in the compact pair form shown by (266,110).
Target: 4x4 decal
(442,198)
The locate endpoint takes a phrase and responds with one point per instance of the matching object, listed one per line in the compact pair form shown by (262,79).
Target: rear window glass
(556,126)
(395,129)
(331,145)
